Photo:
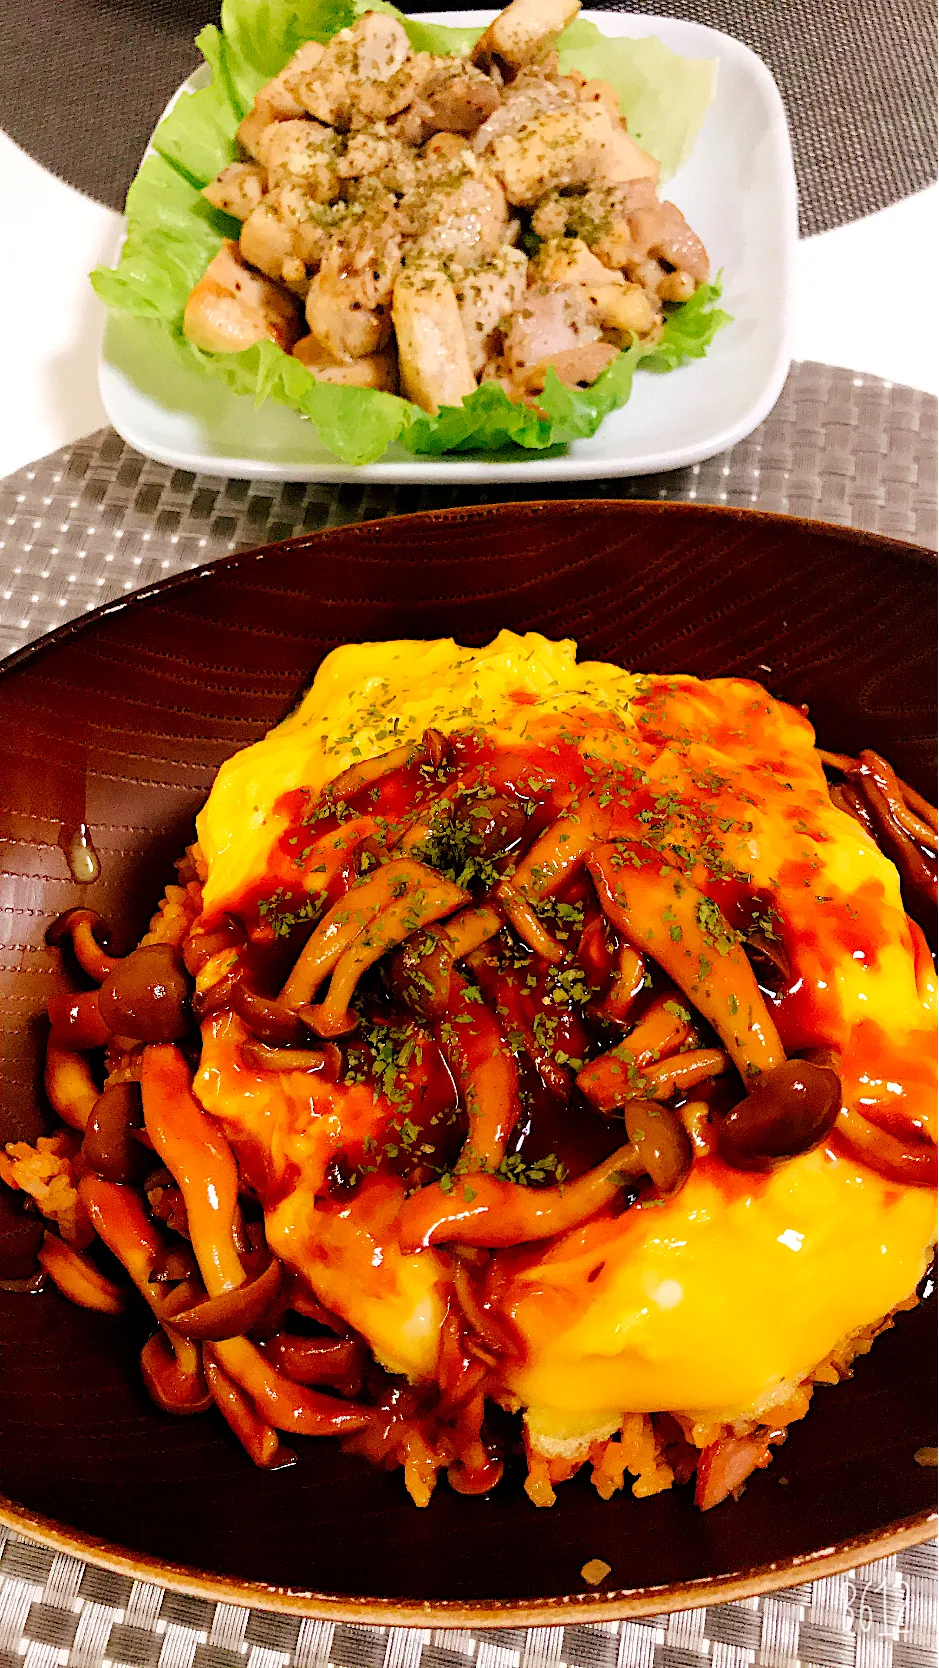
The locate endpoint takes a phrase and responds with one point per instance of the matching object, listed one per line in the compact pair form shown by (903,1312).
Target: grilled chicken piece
(231,308)
(348,301)
(614,303)
(457,209)
(433,359)
(287,233)
(366,74)
(277,100)
(344,328)
(488,297)
(250,130)
(459,98)
(531,93)
(415,125)
(578,367)
(600,216)
(567,260)
(627,228)
(378,153)
(301,152)
(266,241)
(597,92)
(237,189)
(373,370)
(523,33)
(567,148)
(549,321)
(554,328)
(661,230)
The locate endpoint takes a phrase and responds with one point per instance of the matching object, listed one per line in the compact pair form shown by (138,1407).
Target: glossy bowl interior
(119,722)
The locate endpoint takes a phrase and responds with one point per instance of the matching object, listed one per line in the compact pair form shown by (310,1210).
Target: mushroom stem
(260,1441)
(616,1077)
(172,1371)
(78,1279)
(424,902)
(341,925)
(370,770)
(916,802)
(666,917)
(80,925)
(473,926)
(559,851)
(881,773)
(485,1072)
(288,1406)
(201,1162)
(916,870)
(627,984)
(521,914)
(120,1220)
(229,1314)
(914,1166)
(69,1085)
(682,1072)
(488,1211)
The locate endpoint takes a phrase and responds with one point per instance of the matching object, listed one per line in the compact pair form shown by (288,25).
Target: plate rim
(553,1610)
(452,467)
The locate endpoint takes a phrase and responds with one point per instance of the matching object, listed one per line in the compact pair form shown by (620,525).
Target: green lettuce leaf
(172,234)
(664,97)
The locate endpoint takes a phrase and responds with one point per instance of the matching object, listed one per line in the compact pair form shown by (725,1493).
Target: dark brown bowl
(120,721)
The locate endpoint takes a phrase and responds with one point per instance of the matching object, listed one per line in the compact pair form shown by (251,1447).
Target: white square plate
(738,192)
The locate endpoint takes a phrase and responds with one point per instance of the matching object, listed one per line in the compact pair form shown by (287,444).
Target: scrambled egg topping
(709,1302)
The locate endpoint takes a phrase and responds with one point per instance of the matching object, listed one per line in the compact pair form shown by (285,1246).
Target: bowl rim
(532,507)
(557,1610)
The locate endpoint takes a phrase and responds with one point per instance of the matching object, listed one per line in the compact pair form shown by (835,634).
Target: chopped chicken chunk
(348,301)
(662,231)
(524,32)
(288,227)
(532,93)
(237,189)
(433,358)
(578,367)
(551,320)
(266,241)
(487,298)
(366,73)
(616,304)
(567,260)
(459,98)
(301,153)
(563,148)
(231,308)
(456,210)
(277,100)
(373,370)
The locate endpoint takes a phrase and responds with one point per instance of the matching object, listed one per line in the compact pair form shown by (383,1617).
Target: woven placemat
(82,92)
(56,1612)
(96,520)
